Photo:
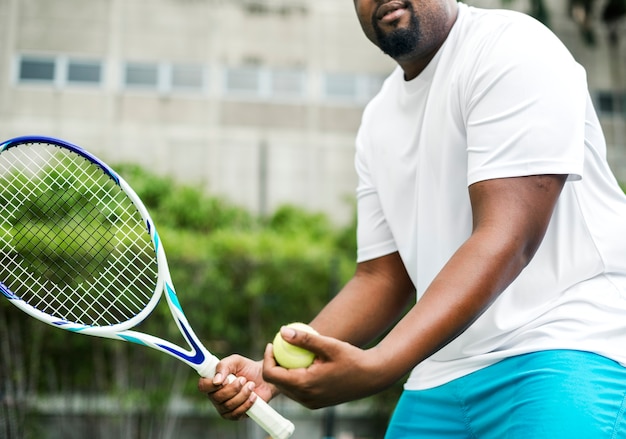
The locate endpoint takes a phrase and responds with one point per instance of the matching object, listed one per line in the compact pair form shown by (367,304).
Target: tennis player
(484,195)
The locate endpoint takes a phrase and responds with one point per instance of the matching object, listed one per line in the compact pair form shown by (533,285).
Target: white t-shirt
(502,98)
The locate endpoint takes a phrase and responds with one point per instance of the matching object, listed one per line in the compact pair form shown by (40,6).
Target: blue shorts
(555,394)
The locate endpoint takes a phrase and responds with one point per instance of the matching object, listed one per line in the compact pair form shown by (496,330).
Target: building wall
(254,144)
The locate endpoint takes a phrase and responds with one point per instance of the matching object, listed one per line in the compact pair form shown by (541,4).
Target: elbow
(519,253)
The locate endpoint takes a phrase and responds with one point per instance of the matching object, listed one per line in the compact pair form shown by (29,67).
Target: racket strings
(75,228)
(72,243)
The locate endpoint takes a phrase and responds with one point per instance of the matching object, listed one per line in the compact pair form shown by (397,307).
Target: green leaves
(183,207)
(238,279)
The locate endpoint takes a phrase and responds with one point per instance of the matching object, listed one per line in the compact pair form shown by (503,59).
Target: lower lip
(393,16)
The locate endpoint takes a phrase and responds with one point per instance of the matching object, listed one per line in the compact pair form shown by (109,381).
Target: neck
(414,64)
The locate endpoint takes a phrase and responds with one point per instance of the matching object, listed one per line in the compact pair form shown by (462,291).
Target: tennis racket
(79,251)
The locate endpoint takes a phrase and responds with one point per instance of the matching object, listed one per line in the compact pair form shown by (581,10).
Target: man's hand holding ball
(290,356)
(318,370)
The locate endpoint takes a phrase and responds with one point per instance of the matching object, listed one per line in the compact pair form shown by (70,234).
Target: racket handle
(270,420)
(267,418)
(261,412)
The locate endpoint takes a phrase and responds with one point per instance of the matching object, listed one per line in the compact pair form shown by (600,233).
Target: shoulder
(506,47)
(490,20)
(505,33)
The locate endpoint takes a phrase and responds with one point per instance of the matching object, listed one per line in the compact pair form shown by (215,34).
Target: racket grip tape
(268,419)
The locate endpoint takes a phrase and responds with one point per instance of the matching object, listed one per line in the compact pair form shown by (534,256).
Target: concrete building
(256,100)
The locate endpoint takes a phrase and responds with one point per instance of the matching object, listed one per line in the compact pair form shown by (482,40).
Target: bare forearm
(463,290)
(510,220)
(368,304)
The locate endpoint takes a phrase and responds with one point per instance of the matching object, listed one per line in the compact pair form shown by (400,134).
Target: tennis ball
(290,356)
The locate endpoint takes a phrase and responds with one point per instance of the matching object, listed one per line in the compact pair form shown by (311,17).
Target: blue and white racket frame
(198,357)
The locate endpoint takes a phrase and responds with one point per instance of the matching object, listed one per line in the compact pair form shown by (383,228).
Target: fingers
(232,399)
(232,396)
(272,371)
(321,346)
(307,340)
(339,373)
(268,357)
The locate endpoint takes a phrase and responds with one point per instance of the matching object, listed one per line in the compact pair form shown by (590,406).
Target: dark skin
(435,18)
(510,218)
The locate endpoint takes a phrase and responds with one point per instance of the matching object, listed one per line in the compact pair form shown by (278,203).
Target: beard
(399,42)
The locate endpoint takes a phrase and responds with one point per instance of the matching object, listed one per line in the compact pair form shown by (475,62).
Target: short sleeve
(525,108)
(374,237)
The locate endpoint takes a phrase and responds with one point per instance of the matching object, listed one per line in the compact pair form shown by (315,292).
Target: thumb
(227,368)
(307,338)
(222,372)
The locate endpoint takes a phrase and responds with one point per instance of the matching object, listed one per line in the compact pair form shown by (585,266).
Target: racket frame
(198,357)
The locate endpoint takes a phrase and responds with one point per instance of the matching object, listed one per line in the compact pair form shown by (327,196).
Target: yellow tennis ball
(290,356)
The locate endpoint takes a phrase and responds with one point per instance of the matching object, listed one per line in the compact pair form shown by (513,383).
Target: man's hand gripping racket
(79,251)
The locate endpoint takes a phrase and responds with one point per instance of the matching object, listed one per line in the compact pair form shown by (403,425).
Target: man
(485,194)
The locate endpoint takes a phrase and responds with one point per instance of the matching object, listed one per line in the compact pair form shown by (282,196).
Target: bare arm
(377,294)
(510,217)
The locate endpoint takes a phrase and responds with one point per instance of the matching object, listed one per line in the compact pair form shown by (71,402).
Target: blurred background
(235,122)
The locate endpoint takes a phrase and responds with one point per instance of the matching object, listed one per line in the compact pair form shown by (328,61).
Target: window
(187,77)
(340,86)
(143,75)
(59,70)
(37,69)
(164,77)
(373,85)
(352,88)
(84,72)
(248,81)
(243,80)
(611,102)
(265,83)
(287,83)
